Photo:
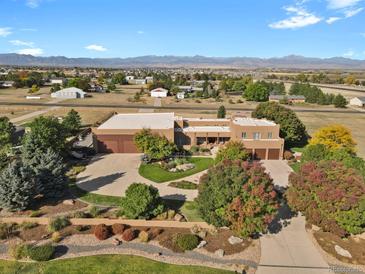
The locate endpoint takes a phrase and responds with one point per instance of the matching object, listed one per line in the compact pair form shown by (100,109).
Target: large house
(259,136)
(159,92)
(69,93)
(358,101)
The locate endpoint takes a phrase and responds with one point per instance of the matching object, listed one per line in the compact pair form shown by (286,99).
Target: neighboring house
(96,88)
(159,92)
(260,137)
(129,77)
(137,81)
(149,79)
(185,88)
(69,93)
(180,95)
(7,84)
(60,81)
(289,98)
(358,101)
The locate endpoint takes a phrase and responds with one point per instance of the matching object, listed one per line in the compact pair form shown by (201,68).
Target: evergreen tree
(221,112)
(16,187)
(72,122)
(339,101)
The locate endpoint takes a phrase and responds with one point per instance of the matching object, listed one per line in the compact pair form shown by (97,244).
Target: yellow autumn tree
(334,137)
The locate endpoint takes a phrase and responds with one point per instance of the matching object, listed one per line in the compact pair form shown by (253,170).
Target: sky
(221,28)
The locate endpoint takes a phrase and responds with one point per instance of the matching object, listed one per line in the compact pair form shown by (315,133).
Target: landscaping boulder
(219,253)
(235,240)
(342,252)
(185,167)
(178,217)
(201,244)
(68,202)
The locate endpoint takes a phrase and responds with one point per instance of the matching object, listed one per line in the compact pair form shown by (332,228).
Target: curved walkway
(112,174)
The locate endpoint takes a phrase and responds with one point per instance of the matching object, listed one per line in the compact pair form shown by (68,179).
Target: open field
(19,94)
(102,264)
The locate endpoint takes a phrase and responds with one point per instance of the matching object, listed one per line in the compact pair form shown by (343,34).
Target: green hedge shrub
(185,241)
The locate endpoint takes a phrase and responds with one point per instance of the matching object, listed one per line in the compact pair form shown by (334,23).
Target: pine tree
(16,187)
(340,101)
(72,122)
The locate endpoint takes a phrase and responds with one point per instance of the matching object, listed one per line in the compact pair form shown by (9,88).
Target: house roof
(243,121)
(140,121)
(207,129)
(159,90)
(362,98)
(71,89)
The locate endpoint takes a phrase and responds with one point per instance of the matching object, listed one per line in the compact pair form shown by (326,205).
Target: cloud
(331,20)
(21,43)
(300,18)
(5,32)
(31,51)
(96,47)
(350,53)
(352,12)
(33,3)
(140,32)
(340,4)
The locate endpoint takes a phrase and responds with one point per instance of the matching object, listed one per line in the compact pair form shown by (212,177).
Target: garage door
(274,154)
(116,144)
(260,153)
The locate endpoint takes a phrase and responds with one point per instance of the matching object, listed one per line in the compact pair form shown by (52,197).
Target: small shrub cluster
(144,236)
(39,253)
(36,213)
(154,232)
(196,150)
(185,241)
(56,237)
(7,230)
(58,223)
(102,232)
(166,215)
(95,211)
(118,228)
(129,234)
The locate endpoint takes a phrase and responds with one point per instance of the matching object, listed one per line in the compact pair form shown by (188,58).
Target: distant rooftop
(140,121)
(243,121)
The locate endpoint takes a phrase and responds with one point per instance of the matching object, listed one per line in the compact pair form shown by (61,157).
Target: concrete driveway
(112,174)
(279,171)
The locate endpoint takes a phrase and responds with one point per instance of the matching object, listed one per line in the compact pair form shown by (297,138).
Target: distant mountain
(289,62)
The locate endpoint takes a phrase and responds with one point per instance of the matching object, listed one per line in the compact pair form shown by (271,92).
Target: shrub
(144,236)
(288,155)
(233,150)
(154,232)
(141,201)
(19,251)
(28,225)
(41,253)
(7,230)
(118,228)
(239,195)
(56,237)
(314,153)
(58,223)
(95,211)
(184,185)
(129,234)
(36,213)
(102,232)
(330,196)
(81,214)
(185,241)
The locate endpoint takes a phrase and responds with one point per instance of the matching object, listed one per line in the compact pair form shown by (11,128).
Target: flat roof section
(140,121)
(243,121)
(206,129)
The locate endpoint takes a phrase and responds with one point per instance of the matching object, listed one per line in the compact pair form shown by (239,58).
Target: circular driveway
(112,174)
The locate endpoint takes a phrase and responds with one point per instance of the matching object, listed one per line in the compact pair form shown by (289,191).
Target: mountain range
(170,61)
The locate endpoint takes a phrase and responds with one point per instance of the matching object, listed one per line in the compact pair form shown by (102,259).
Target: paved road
(168,107)
(287,249)
(112,174)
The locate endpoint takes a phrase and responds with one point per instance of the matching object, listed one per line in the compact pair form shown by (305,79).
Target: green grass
(187,208)
(183,185)
(106,264)
(157,174)
(295,166)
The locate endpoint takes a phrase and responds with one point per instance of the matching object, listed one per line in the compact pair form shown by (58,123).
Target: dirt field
(19,94)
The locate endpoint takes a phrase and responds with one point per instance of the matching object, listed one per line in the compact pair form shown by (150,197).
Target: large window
(269,135)
(244,135)
(256,135)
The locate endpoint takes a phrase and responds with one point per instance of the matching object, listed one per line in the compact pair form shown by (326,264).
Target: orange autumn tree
(334,137)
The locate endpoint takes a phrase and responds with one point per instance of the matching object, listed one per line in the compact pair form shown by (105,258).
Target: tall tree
(256,92)
(6,131)
(72,122)
(221,112)
(340,101)
(16,187)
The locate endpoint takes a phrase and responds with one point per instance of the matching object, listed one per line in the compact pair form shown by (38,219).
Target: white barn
(69,93)
(159,92)
(358,101)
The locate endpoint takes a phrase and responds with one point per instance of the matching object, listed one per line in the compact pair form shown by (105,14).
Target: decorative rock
(185,167)
(219,253)
(202,234)
(315,228)
(173,169)
(178,217)
(69,202)
(234,240)
(342,252)
(201,244)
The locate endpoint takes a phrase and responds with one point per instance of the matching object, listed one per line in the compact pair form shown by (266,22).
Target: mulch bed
(356,247)
(220,241)
(165,238)
(33,234)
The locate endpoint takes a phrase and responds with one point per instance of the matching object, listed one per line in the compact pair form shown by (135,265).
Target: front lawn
(157,174)
(103,264)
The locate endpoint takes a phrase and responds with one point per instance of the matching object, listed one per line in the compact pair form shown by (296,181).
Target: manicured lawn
(295,166)
(186,208)
(157,174)
(105,264)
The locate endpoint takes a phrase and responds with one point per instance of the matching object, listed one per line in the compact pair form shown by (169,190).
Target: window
(244,135)
(269,135)
(256,135)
